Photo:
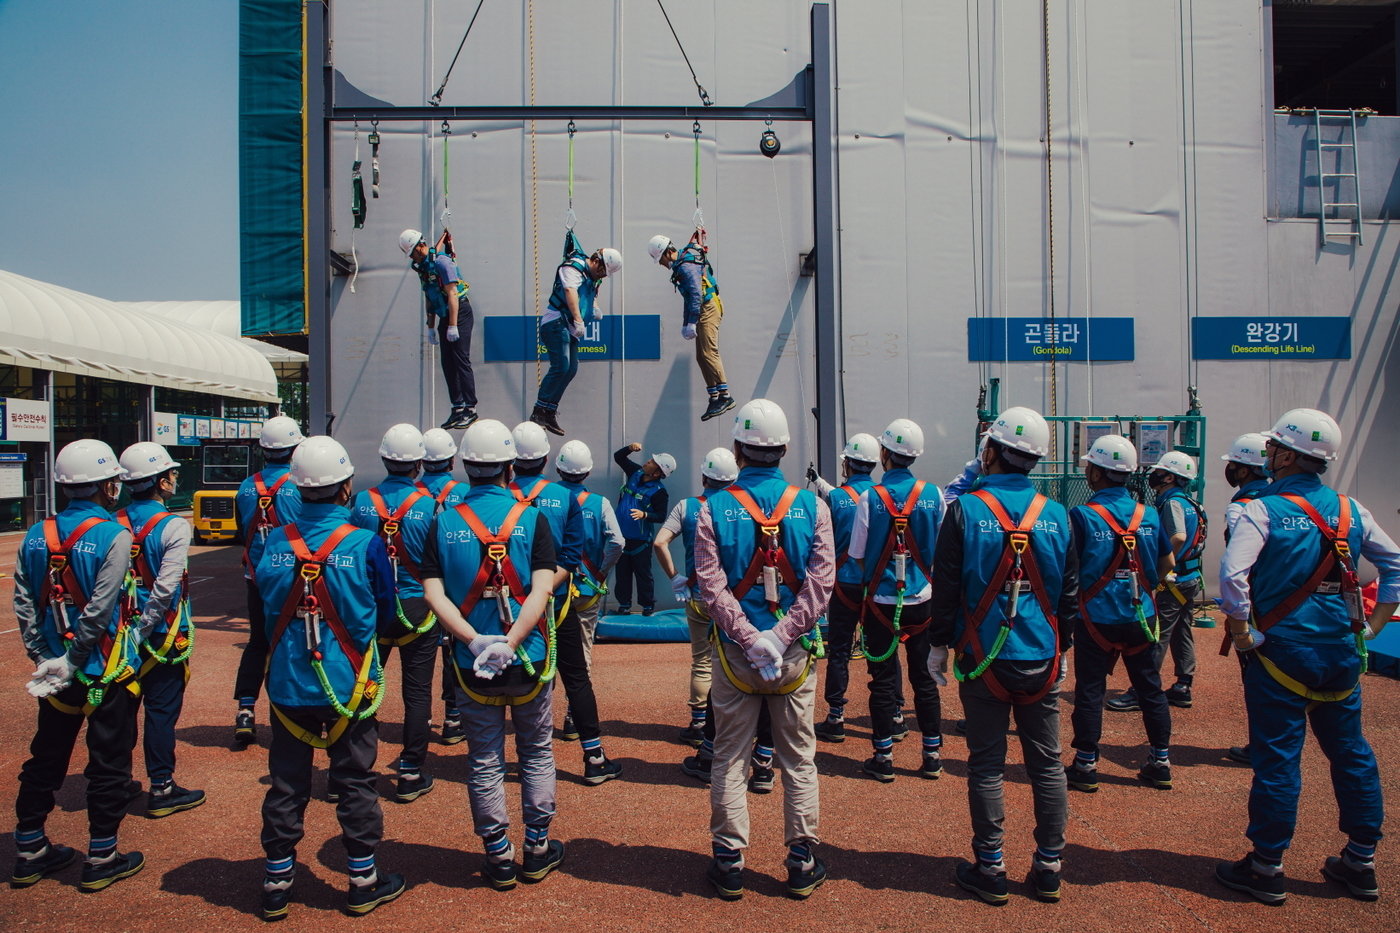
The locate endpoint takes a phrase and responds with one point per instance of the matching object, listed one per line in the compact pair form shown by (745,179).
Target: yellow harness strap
(170,637)
(342,723)
(494,700)
(743,687)
(1295,686)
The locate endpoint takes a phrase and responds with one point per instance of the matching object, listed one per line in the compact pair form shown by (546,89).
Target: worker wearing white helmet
(1007,602)
(642,504)
(450,319)
(602,539)
(702,309)
(439,450)
(264,501)
(765,602)
(86,553)
(1292,600)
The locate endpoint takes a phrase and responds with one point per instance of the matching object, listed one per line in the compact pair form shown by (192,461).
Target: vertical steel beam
(825,203)
(318,214)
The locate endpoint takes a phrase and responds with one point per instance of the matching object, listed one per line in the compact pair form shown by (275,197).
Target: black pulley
(768,143)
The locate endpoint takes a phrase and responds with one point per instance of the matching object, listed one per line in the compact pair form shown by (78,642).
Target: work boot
(452,729)
(727,878)
(1238,754)
(989,886)
(694,734)
(547,418)
(463,418)
(880,767)
(1360,881)
(719,404)
(569,732)
(245,729)
(411,786)
(169,797)
(1045,882)
(452,418)
(538,864)
(831,730)
(1245,875)
(1179,695)
(30,870)
(366,897)
(1156,774)
(804,877)
(1126,702)
(761,779)
(119,866)
(932,767)
(1082,778)
(698,767)
(900,729)
(599,768)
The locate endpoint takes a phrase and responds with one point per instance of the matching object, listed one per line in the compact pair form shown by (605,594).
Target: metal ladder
(1344,120)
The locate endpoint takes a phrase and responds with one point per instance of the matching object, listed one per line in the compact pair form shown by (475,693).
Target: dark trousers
(573,670)
(163,696)
(635,563)
(763,734)
(1178,619)
(562,350)
(457,357)
(289,764)
(108,771)
(449,686)
(418,659)
(1091,669)
(885,675)
(841,624)
(247,684)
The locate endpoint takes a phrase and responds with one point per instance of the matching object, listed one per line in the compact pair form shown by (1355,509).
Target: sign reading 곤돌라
(1039,340)
(1256,338)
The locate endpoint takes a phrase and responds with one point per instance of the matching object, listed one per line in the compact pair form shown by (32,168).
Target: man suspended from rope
(68,585)
(1007,600)
(450,319)
(642,504)
(1292,601)
(693,276)
(1244,471)
(328,594)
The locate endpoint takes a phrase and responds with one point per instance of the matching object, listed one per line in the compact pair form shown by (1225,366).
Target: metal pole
(827,240)
(318,216)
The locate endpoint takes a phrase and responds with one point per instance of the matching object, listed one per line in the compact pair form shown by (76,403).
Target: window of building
(1335,56)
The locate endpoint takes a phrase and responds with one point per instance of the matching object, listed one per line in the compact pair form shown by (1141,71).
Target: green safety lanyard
(446,175)
(699,215)
(569,218)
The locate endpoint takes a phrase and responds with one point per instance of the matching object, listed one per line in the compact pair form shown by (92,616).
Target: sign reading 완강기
(1271,339)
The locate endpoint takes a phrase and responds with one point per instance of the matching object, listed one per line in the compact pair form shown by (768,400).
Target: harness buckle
(391,528)
(1018,542)
(310,571)
(496,552)
(135,551)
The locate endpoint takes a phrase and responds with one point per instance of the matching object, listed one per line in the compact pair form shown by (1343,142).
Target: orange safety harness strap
(497,553)
(1338,551)
(1124,552)
(528,497)
(898,541)
(141,563)
(390,526)
(318,599)
(768,549)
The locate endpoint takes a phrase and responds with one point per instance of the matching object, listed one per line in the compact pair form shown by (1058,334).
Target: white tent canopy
(46,326)
(218,316)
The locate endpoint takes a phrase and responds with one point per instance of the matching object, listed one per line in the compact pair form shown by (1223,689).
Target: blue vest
(460,553)
(595,537)
(1250,491)
(413,527)
(138,513)
(1113,605)
(287,505)
(689,517)
(923,532)
(86,559)
(636,493)
(1188,556)
(843,522)
(736,537)
(587,291)
(556,502)
(291,680)
(709,284)
(435,483)
(1290,557)
(431,280)
(984,545)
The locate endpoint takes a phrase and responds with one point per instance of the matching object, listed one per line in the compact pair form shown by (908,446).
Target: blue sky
(119,160)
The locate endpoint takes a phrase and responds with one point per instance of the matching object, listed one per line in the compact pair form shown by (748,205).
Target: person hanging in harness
(328,595)
(642,503)
(450,319)
(1291,598)
(1007,600)
(764,564)
(1184,522)
(158,605)
(400,512)
(892,541)
(693,276)
(1123,552)
(264,501)
(573,303)
(69,575)
(488,570)
(1244,471)
(439,450)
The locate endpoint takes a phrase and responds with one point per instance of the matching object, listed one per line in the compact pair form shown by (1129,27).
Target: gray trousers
(486,772)
(1178,618)
(1038,725)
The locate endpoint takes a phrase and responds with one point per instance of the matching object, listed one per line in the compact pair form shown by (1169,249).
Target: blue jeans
(1278,720)
(562,348)
(163,696)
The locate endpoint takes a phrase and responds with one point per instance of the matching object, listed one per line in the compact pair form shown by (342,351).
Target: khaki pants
(588,622)
(699,656)
(707,342)
(794,750)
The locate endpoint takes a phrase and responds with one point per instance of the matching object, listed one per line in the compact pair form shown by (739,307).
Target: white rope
(1000,118)
(1081,55)
(788,284)
(622,208)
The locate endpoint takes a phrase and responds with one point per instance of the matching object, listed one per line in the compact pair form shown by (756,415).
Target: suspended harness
(1124,567)
(900,549)
(591,577)
(391,530)
(179,634)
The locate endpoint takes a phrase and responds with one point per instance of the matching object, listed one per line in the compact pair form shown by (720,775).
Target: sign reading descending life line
(512,339)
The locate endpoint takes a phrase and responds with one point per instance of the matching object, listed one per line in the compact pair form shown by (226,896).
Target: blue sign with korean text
(515,339)
(1039,340)
(1271,338)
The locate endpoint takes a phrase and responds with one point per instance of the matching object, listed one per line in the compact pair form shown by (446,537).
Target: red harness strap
(1126,552)
(390,526)
(528,497)
(1337,552)
(897,542)
(61,583)
(265,517)
(141,564)
(581,498)
(768,550)
(314,597)
(441,497)
(837,590)
(496,569)
(1017,561)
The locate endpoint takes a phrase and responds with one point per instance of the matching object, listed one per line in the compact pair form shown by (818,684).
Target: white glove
(688,331)
(481,642)
(680,585)
(938,665)
(576,330)
(50,677)
(432,336)
(453,334)
(493,659)
(766,656)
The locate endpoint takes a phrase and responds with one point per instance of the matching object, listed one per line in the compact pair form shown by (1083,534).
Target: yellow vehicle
(215,518)
(224,465)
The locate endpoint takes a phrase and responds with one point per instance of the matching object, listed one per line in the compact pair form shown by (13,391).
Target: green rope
(428,621)
(340,708)
(1154,631)
(97,689)
(987,661)
(182,623)
(894,638)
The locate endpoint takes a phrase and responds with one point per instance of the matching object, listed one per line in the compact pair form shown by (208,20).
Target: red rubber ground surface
(1138,859)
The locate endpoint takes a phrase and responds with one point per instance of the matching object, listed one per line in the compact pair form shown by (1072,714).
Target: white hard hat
(531,443)
(144,460)
(1113,452)
(403,443)
(1308,431)
(903,437)
(85,461)
(1178,464)
(409,239)
(612,260)
(488,441)
(720,465)
(657,246)
(574,458)
(1247,449)
(761,423)
(666,462)
(862,447)
(279,433)
(320,461)
(1023,429)
(438,445)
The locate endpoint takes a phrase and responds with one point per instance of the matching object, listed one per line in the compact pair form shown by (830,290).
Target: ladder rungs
(1327,204)
(1337,145)
(1338,174)
(1327,235)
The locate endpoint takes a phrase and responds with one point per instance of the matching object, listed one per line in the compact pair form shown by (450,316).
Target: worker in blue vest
(1184,522)
(439,450)
(892,540)
(400,512)
(450,319)
(765,564)
(1123,553)
(1292,600)
(573,302)
(69,575)
(264,501)
(158,599)
(642,504)
(1244,471)
(702,311)
(489,570)
(328,595)
(1007,601)
(602,541)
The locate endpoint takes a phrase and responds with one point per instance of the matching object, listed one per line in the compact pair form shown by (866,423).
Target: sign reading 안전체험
(1271,338)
